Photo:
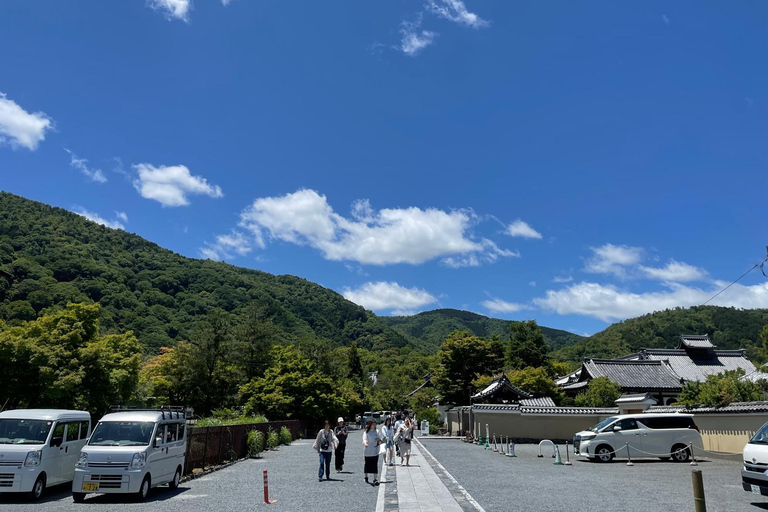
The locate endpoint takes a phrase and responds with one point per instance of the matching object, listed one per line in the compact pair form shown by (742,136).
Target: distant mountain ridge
(432,327)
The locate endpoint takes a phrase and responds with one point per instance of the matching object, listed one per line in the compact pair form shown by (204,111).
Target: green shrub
(285,436)
(433,429)
(273,439)
(241,420)
(255,442)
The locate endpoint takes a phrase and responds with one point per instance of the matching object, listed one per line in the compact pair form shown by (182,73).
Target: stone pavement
(424,486)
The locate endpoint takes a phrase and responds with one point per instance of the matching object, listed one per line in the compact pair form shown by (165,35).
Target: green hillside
(49,256)
(728,328)
(432,327)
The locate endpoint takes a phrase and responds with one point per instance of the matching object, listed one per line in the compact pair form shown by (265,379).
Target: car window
(628,424)
(170,432)
(84,429)
(160,434)
(58,433)
(181,431)
(73,431)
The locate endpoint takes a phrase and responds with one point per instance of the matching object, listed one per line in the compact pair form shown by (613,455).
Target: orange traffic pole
(266,490)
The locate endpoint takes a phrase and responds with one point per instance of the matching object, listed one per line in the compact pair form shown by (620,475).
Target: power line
(758,264)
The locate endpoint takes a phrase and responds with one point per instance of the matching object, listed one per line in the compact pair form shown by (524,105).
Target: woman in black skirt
(371,441)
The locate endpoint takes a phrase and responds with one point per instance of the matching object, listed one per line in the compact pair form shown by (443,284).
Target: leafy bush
(720,390)
(285,436)
(219,422)
(273,439)
(255,442)
(433,429)
(602,392)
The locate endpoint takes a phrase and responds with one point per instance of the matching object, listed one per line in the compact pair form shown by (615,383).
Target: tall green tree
(463,358)
(253,341)
(720,390)
(601,392)
(527,346)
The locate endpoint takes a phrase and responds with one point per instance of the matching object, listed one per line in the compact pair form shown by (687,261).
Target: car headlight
(82,461)
(139,460)
(33,458)
(588,437)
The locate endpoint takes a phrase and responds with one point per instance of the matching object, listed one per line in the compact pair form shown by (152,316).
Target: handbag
(324,445)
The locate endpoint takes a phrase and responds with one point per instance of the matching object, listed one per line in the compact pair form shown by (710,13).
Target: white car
(130,452)
(642,435)
(39,448)
(753,477)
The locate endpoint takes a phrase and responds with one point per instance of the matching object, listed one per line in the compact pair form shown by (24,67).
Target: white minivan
(131,451)
(753,477)
(661,435)
(39,448)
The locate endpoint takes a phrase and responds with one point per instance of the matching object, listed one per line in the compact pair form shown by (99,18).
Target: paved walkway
(424,486)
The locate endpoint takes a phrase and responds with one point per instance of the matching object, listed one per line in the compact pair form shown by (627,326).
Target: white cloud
(384,295)
(613,259)
(413,40)
(383,237)
(456,11)
(95,217)
(229,246)
(490,254)
(172,9)
(81,164)
(609,303)
(522,229)
(225,2)
(171,185)
(675,271)
(560,279)
(502,306)
(122,216)
(20,128)
(665,19)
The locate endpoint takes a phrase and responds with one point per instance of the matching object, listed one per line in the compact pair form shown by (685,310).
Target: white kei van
(662,435)
(39,447)
(131,451)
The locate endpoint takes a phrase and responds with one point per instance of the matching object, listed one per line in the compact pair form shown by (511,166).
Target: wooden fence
(212,446)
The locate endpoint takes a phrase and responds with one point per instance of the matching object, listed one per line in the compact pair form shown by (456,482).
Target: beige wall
(535,427)
(728,432)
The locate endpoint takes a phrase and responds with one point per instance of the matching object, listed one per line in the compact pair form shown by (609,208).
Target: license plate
(755,489)
(91,486)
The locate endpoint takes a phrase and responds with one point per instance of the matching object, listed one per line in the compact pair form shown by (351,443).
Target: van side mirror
(56,441)
(158,441)
(616,428)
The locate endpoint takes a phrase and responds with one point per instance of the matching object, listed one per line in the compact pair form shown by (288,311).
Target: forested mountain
(432,327)
(50,256)
(728,328)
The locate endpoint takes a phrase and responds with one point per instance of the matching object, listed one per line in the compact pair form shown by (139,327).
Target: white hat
(340,419)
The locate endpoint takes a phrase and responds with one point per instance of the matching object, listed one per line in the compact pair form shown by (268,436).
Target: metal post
(205,447)
(699,502)
(567,457)
(693,456)
(630,463)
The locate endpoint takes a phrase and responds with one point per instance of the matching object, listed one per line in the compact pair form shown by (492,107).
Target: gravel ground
(528,483)
(292,482)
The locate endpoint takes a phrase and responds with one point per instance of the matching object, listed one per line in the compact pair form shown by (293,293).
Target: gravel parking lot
(292,482)
(529,483)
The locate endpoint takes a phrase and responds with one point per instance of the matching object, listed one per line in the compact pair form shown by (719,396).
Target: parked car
(645,435)
(39,448)
(753,477)
(131,451)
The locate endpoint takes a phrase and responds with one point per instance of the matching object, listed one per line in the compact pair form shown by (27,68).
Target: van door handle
(66,449)
(637,434)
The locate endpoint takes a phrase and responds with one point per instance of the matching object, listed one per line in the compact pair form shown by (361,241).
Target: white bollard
(567,457)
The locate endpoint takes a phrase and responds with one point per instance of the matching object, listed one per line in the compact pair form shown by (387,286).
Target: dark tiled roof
(496,407)
(576,385)
(500,384)
(569,410)
(635,398)
(543,401)
(699,367)
(694,341)
(736,407)
(651,375)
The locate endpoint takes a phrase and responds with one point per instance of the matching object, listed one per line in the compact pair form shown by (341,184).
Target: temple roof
(694,341)
(633,375)
(697,367)
(500,385)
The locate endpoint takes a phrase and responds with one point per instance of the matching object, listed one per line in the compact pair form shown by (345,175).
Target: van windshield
(603,424)
(24,431)
(761,437)
(122,433)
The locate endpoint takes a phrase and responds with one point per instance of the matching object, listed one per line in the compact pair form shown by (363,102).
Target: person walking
(341,432)
(371,441)
(388,435)
(398,423)
(405,437)
(325,442)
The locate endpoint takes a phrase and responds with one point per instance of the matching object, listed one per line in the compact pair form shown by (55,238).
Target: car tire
(174,484)
(144,489)
(603,453)
(78,497)
(37,490)
(681,453)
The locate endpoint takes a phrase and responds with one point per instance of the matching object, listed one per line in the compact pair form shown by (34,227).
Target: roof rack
(178,412)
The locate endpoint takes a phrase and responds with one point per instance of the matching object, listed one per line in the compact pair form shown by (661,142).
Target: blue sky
(575,164)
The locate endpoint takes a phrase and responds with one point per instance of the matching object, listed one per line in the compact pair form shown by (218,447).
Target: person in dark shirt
(341,433)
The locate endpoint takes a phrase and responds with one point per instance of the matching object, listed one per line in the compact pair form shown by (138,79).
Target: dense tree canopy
(601,392)
(463,358)
(527,346)
(721,389)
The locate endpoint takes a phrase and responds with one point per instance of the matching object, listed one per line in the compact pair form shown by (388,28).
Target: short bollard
(699,502)
(495,446)
(630,463)
(266,490)
(511,450)
(558,461)
(567,457)
(693,456)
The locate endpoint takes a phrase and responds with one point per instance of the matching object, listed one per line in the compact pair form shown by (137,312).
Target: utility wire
(758,264)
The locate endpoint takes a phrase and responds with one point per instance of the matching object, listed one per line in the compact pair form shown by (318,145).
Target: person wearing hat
(341,433)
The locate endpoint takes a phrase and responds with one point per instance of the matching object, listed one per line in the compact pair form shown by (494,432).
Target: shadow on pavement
(53,493)
(155,495)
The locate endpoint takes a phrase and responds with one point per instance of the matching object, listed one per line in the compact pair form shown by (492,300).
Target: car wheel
(603,453)
(144,489)
(37,490)
(78,497)
(174,484)
(681,453)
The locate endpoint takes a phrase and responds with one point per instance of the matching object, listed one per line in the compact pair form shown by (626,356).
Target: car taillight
(695,427)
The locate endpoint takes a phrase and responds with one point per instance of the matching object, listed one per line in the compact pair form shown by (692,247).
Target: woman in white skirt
(371,441)
(404,436)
